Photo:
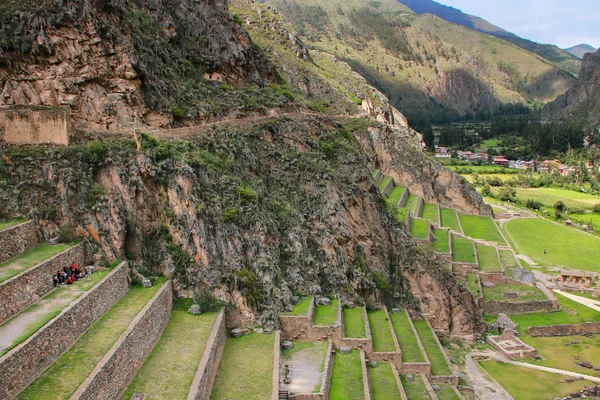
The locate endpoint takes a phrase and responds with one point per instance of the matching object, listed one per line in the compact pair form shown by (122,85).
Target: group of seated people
(70,275)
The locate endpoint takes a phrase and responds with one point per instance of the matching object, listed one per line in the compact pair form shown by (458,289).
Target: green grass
(28,259)
(374,172)
(575,314)
(314,352)
(383,341)
(354,325)
(508,259)
(439,366)
(463,250)
(473,285)
(346,377)
(11,222)
(488,259)
(442,244)
(68,294)
(415,390)
(565,246)
(246,369)
(557,355)
(411,352)
(525,293)
(396,194)
(301,308)
(383,383)
(430,212)
(413,204)
(447,392)
(449,219)
(384,183)
(176,356)
(528,384)
(326,315)
(481,227)
(65,375)
(549,196)
(419,228)
(490,143)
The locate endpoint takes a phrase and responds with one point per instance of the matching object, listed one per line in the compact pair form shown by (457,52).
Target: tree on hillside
(429,138)
(559,209)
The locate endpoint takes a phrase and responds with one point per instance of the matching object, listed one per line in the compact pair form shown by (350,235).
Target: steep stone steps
(17,329)
(176,356)
(62,379)
(27,277)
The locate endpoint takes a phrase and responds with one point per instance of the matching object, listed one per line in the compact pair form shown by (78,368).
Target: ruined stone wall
(207,369)
(415,368)
(498,278)
(118,367)
(21,290)
(365,375)
(276,366)
(506,307)
(34,125)
(17,239)
(564,330)
(23,364)
(444,380)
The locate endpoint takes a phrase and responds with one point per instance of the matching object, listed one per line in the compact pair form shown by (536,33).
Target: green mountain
(580,50)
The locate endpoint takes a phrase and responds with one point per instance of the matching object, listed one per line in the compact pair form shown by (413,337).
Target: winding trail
(484,388)
(593,304)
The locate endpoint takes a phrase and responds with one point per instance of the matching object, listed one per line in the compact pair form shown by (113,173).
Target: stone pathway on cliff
(593,304)
(20,327)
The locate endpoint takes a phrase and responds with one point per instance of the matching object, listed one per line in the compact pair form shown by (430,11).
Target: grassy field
(8,223)
(326,315)
(415,390)
(525,293)
(439,366)
(557,355)
(571,313)
(449,219)
(442,244)
(411,352)
(446,392)
(430,212)
(396,194)
(383,340)
(346,377)
(313,352)
(49,307)
(502,177)
(301,308)
(176,356)
(419,228)
(383,383)
(473,285)
(354,325)
(508,259)
(564,246)
(528,384)
(480,227)
(463,250)
(412,204)
(384,183)
(488,258)
(549,196)
(246,369)
(81,359)
(28,259)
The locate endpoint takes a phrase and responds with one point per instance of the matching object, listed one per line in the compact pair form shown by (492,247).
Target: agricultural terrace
(384,183)
(396,194)
(85,354)
(524,293)
(463,250)
(508,259)
(449,219)
(481,227)
(439,366)
(488,258)
(411,352)
(447,392)
(301,308)
(383,340)
(30,258)
(246,368)
(442,244)
(430,212)
(354,325)
(473,285)
(419,228)
(175,357)
(415,389)
(537,382)
(564,246)
(326,315)
(346,377)
(570,312)
(8,223)
(308,361)
(383,383)
(413,204)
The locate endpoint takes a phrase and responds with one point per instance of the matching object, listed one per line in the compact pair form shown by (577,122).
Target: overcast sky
(564,23)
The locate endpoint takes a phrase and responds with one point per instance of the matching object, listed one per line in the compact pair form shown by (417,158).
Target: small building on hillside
(575,278)
(442,152)
(501,161)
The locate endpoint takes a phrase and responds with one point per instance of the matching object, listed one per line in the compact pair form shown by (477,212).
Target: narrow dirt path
(484,388)
(593,304)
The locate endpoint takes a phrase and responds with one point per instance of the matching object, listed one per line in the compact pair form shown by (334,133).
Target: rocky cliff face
(581,103)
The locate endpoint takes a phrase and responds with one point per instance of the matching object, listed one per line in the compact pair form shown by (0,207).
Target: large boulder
(236,333)
(195,309)
(287,345)
(323,301)
(345,350)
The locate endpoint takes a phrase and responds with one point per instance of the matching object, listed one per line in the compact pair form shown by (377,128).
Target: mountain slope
(581,49)
(581,103)
(550,52)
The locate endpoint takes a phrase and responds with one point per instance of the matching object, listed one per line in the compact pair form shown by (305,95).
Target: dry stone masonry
(17,239)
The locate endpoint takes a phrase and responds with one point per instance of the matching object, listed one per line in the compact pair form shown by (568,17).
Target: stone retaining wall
(464,267)
(495,306)
(498,278)
(365,375)
(207,369)
(444,380)
(365,343)
(16,239)
(118,367)
(21,124)
(450,379)
(388,188)
(564,330)
(23,364)
(276,366)
(398,382)
(323,393)
(403,199)
(20,291)
(300,328)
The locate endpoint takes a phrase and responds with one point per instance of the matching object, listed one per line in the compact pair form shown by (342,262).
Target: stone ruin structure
(508,343)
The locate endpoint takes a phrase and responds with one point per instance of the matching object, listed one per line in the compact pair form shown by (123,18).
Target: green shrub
(487,190)
(597,208)
(246,194)
(230,214)
(180,113)
(95,194)
(207,300)
(318,105)
(533,204)
(508,194)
